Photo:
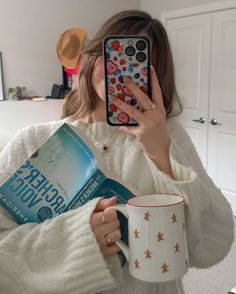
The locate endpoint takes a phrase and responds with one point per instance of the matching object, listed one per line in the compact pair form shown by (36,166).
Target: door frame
(199,9)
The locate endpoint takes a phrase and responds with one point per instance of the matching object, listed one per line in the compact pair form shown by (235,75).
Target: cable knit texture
(62,256)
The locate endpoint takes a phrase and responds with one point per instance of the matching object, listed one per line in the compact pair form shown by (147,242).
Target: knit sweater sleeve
(60,255)
(210,227)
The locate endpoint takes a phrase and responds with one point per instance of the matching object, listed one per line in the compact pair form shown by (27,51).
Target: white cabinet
(204,50)
(15,115)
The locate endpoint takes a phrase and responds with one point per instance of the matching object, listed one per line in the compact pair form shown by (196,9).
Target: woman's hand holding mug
(106,226)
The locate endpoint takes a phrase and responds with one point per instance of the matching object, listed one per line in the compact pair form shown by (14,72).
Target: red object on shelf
(70,73)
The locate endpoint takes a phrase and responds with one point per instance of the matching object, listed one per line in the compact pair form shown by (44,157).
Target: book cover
(63,174)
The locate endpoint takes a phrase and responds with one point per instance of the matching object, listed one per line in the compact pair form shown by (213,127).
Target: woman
(75,252)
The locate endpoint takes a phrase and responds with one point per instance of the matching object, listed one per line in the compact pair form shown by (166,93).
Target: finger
(156,89)
(110,250)
(110,214)
(111,238)
(130,130)
(101,218)
(96,219)
(104,203)
(104,230)
(143,99)
(114,236)
(101,229)
(130,110)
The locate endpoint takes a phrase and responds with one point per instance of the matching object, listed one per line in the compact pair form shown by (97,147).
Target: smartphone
(125,56)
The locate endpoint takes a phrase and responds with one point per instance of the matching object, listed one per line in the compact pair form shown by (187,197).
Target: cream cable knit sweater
(61,256)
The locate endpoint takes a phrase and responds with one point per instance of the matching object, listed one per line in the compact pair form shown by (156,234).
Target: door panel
(222,106)
(190,40)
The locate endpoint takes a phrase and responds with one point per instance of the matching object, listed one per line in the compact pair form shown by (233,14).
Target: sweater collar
(100,131)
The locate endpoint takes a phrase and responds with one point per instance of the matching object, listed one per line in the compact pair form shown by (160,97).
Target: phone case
(125,56)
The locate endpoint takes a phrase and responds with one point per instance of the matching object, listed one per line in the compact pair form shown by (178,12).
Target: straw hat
(69,45)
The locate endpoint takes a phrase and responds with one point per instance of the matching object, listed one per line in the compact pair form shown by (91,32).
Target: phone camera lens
(130,51)
(141,45)
(141,57)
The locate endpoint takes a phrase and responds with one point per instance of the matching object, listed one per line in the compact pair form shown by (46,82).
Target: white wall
(29,30)
(156,7)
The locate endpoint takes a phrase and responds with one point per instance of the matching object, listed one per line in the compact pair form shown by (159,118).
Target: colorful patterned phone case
(125,56)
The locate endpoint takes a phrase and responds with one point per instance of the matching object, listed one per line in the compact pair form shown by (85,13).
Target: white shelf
(30,101)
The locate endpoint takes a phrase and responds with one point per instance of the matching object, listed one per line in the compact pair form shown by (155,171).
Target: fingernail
(112,199)
(127,79)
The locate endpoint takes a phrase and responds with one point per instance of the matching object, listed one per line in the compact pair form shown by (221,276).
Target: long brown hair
(82,101)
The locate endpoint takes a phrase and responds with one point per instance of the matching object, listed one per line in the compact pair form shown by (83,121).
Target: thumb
(130,130)
(104,203)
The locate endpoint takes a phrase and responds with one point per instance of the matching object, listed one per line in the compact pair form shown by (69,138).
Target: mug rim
(154,206)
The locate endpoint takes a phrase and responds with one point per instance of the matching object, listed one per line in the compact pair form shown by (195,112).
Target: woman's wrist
(162,161)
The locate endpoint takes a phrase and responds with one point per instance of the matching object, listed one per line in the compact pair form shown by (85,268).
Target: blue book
(63,174)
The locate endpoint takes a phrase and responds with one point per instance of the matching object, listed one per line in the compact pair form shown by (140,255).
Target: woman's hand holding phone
(151,130)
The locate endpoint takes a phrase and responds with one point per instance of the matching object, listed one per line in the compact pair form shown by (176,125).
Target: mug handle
(123,209)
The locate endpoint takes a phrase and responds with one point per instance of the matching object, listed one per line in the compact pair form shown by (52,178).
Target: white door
(222,107)
(190,38)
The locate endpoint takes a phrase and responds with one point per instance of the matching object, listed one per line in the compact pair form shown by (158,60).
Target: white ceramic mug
(157,249)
